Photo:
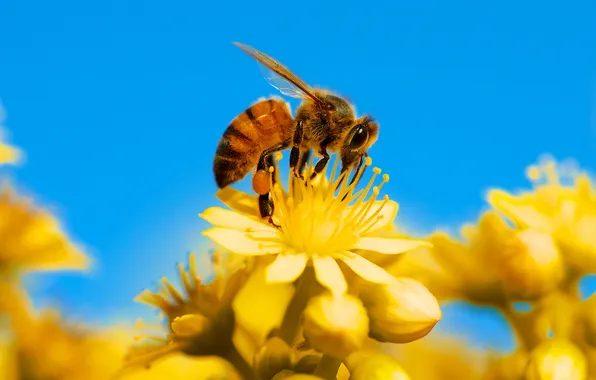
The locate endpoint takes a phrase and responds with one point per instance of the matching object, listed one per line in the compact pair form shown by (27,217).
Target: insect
(324,123)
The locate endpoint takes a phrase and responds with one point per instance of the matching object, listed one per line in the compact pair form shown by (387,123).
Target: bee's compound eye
(260,182)
(359,138)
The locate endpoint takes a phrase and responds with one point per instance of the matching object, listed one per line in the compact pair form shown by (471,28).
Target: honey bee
(324,123)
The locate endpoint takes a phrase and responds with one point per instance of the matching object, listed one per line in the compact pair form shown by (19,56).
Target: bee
(324,123)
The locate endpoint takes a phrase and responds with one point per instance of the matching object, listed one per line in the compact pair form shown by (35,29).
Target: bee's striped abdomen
(259,127)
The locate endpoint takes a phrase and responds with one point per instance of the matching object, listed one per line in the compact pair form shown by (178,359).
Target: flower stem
(328,367)
(291,323)
(242,367)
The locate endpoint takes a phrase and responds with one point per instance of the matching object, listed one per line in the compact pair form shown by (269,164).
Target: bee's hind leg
(266,206)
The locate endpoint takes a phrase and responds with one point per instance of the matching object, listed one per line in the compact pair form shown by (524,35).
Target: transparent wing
(281,84)
(279,76)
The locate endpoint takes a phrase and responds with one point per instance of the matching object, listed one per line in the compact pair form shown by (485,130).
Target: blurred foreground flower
(316,225)
(31,239)
(43,346)
(201,322)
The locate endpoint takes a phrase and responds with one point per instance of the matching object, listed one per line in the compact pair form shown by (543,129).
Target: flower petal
(388,245)
(259,306)
(329,275)
(525,213)
(382,218)
(221,217)
(367,270)
(239,201)
(286,267)
(245,243)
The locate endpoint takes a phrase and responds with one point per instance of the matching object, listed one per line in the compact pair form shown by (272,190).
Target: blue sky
(120,104)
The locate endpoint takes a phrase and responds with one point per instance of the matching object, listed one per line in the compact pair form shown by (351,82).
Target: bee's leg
(323,161)
(295,153)
(266,206)
(359,169)
(262,164)
(303,161)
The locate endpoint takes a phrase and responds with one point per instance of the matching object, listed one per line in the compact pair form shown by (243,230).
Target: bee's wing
(279,76)
(284,86)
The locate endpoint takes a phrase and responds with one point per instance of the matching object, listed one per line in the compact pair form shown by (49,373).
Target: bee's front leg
(295,153)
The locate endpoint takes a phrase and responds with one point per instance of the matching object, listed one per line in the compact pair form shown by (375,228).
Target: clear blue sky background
(120,104)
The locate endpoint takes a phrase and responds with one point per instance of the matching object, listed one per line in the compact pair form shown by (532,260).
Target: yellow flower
(400,312)
(557,359)
(462,270)
(531,265)
(563,204)
(495,262)
(201,322)
(318,225)
(48,348)
(32,239)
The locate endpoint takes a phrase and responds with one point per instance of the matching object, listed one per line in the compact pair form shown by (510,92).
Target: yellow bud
(189,324)
(531,265)
(556,359)
(335,325)
(273,357)
(401,312)
(377,367)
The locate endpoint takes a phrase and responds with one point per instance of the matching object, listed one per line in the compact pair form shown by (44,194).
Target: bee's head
(359,138)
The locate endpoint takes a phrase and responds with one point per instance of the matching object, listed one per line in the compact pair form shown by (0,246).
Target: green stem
(328,367)
(242,367)
(291,322)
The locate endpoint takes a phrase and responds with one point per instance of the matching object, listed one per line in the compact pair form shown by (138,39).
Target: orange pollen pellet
(260,182)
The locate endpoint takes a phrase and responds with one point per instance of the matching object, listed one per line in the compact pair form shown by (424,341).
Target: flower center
(325,216)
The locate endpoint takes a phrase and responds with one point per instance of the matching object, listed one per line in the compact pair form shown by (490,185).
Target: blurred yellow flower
(531,265)
(557,359)
(318,224)
(494,263)
(563,204)
(461,270)
(31,239)
(45,347)
(201,322)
